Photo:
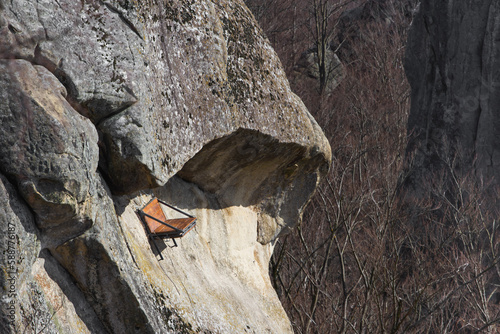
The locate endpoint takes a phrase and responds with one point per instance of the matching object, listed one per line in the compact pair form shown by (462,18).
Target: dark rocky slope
(453,68)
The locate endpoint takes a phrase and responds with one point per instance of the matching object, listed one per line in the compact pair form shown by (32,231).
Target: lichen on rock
(106,104)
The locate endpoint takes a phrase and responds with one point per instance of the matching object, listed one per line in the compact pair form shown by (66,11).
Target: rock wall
(105,104)
(453,68)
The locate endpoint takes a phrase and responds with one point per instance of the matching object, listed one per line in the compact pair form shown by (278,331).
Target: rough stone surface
(307,66)
(19,250)
(216,74)
(36,294)
(104,104)
(47,147)
(453,67)
(252,169)
(185,72)
(216,280)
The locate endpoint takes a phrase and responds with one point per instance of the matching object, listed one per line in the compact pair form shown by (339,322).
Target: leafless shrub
(367,259)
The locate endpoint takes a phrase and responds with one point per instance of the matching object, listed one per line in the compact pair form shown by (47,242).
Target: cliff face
(453,67)
(105,104)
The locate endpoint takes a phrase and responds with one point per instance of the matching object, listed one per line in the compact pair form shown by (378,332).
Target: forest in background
(368,257)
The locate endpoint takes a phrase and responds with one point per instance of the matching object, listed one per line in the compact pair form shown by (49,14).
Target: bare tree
(366,259)
(324,20)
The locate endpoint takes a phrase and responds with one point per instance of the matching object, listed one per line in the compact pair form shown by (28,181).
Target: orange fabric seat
(180,223)
(159,226)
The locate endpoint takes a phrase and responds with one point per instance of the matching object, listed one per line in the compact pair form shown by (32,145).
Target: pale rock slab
(102,101)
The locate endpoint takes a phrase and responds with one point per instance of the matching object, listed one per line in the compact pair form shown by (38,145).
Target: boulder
(307,67)
(105,104)
(48,148)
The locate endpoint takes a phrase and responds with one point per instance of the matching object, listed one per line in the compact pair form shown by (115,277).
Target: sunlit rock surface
(105,104)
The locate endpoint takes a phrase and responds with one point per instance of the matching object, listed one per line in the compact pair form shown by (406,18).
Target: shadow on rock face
(248,168)
(74,295)
(109,98)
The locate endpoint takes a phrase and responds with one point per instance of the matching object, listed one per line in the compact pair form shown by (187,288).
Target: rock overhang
(161,82)
(149,93)
(216,85)
(251,169)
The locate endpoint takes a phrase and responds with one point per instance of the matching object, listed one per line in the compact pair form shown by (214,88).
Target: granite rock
(105,104)
(48,148)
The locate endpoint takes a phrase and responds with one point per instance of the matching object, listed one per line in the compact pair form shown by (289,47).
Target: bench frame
(176,233)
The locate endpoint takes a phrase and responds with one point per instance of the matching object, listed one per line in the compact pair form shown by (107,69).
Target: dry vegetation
(367,258)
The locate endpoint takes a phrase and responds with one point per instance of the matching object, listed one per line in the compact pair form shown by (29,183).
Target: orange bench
(158,226)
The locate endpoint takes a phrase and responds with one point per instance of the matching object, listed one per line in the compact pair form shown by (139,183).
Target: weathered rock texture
(308,68)
(453,67)
(105,104)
